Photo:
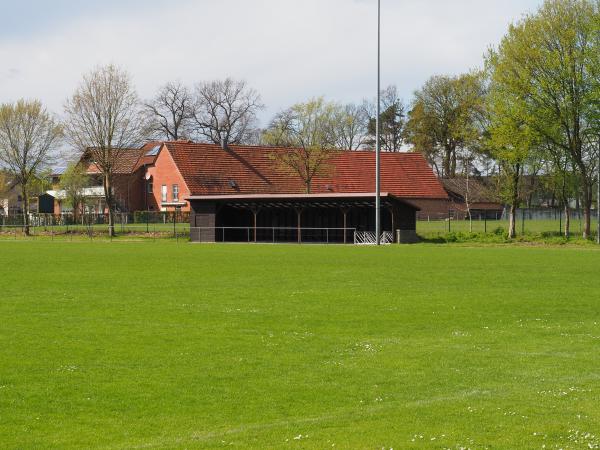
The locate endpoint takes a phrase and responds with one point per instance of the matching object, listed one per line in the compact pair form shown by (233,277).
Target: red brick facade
(164,178)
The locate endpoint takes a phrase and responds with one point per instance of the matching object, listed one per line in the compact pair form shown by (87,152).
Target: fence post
(175,222)
(485,223)
(560,224)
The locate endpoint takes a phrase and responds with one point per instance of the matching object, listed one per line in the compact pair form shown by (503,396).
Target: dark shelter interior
(295,218)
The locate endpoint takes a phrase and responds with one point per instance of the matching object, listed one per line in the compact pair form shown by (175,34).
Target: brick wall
(165,172)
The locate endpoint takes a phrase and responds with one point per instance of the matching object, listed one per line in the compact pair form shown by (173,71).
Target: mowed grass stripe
(175,346)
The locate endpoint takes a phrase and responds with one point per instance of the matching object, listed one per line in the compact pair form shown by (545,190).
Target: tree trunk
(453,164)
(109,204)
(567,221)
(25,209)
(587,208)
(76,204)
(512,229)
(446,162)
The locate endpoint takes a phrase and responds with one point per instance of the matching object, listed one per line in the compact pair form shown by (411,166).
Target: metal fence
(136,218)
(178,232)
(547,221)
(183,233)
(273,235)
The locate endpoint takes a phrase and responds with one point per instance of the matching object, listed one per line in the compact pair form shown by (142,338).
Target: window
(150,187)
(164,193)
(175,192)
(153,151)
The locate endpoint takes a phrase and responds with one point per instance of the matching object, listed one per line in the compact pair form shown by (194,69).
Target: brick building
(245,187)
(244,191)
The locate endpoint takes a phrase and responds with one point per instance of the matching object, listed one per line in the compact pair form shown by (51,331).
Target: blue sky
(289,50)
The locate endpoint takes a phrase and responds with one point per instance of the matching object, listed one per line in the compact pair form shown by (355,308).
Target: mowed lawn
(159,345)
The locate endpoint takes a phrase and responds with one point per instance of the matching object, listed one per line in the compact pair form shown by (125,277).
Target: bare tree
(103,120)
(27,136)
(171,111)
(351,126)
(225,112)
(392,123)
(308,129)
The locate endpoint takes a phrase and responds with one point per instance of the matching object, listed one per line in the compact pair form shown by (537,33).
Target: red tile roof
(130,159)
(209,170)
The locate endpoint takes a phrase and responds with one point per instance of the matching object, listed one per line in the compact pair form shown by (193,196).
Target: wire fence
(545,221)
(87,219)
(122,232)
(175,225)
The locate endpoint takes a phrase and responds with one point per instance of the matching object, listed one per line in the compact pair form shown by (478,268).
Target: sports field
(159,345)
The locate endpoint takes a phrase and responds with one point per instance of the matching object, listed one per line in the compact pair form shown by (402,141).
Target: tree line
(533,109)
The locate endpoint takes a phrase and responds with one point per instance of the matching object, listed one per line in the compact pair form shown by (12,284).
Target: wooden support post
(255,211)
(345,214)
(393,214)
(299,214)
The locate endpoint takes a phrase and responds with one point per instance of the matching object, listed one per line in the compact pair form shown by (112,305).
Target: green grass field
(139,345)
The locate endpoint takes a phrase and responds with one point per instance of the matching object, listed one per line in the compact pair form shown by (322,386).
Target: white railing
(272,234)
(369,238)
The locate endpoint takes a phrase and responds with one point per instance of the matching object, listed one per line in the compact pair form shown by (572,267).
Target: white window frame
(175,192)
(164,193)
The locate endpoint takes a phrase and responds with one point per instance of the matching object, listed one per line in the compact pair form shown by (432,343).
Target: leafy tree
(510,140)
(309,130)
(445,119)
(549,62)
(28,134)
(73,181)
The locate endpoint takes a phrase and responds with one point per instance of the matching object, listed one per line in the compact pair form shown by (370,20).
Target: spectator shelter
(297,217)
(247,194)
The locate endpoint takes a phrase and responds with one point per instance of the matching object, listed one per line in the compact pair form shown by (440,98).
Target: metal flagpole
(598,195)
(377,126)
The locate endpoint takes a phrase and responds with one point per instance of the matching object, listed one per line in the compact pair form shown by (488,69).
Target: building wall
(202,221)
(129,190)
(165,172)
(431,208)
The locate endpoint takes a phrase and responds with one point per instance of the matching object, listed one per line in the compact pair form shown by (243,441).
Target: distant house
(482,201)
(129,183)
(11,199)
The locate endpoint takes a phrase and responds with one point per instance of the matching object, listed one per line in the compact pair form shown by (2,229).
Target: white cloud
(289,50)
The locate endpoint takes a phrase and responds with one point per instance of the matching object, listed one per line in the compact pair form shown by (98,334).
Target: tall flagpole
(598,197)
(377,140)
